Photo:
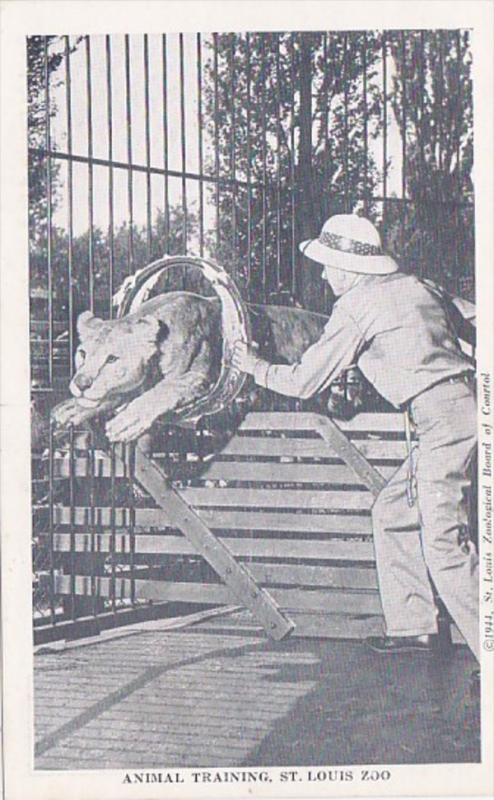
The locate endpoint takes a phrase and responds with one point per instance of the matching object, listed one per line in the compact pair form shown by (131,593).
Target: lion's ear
(148,328)
(87,322)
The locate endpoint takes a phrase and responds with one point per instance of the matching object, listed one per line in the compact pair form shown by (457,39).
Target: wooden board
(146,518)
(304,421)
(336,474)
(330,550)
(275,446)
(336,626)
(277,498)
(252,471)
(363,602)
(319,625)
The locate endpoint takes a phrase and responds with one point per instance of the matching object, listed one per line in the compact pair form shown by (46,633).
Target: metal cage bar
(49,210)
(200,144)
(183,148)
(111,214)
(70,200)
(90,186)
(233,143)
(216,142)
(248,160)
(165,172)
(147,129)
(130,182)
(264,168)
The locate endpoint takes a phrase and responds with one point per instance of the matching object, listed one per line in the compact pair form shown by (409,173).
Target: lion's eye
(111,359)
(81,352)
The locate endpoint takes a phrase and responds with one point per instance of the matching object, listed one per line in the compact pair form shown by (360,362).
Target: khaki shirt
(393,326)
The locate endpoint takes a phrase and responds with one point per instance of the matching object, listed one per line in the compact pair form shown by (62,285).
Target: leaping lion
(165,355)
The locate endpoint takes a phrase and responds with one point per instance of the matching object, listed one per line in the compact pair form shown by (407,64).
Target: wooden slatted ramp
(289,497)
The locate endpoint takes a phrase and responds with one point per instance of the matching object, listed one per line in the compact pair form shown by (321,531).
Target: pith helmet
(350,243)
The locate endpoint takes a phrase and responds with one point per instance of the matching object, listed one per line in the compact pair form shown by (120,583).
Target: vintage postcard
(247,424)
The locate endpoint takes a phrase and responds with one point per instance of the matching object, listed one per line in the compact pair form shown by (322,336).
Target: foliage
(298,120)
(265,94)
(432,100)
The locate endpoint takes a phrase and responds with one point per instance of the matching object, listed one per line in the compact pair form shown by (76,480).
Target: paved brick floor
(222,695)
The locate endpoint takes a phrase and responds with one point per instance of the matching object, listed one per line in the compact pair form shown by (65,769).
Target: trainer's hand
(243,358)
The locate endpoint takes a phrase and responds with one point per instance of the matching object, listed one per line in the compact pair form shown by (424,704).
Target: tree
(432,99)
(44,56)
(285,113)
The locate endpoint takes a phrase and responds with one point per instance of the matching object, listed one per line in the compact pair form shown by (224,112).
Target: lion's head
(112,357)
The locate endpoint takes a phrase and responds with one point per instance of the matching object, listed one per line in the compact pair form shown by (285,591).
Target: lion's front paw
(69,413)
(130,423)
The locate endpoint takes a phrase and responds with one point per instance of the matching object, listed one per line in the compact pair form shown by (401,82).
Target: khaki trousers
(423,543)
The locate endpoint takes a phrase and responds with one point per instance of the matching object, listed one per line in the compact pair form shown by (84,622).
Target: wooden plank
(336,439)
(214,550)
(331,550)
(277,498)
(162,591)
(306,575)
(336,626)
(284,473)
(233,471)
(277,446)
(303,421)
(225,520)
(318,625)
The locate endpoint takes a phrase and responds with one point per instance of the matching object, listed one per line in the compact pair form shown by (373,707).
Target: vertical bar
(113,528)
(440,98)
(458,94)
(72,523)
(130,188)
(439,245)
(90,171)
(92,519)
(326,164)
(49,243)
(183,143)
(403,140)
(111,214)
(51,536)
(278,165)
(325,120)
(232,149)
(292,166)
(366,132)
(248,158)
(149,230)
(128,457)
(385,131)
(200,143)
(264,166)
(216,141)
(70,203)
(346,133)
(166,196)
(422,143)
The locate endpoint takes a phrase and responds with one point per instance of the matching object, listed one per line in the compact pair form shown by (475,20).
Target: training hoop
(235,325)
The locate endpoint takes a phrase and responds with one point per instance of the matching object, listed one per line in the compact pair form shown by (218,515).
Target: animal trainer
(167,353)
(398,332)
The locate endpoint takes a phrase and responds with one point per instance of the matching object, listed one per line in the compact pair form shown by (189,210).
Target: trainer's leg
(405,588)
(447,432)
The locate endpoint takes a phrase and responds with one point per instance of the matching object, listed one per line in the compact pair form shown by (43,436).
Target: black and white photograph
(260,422)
